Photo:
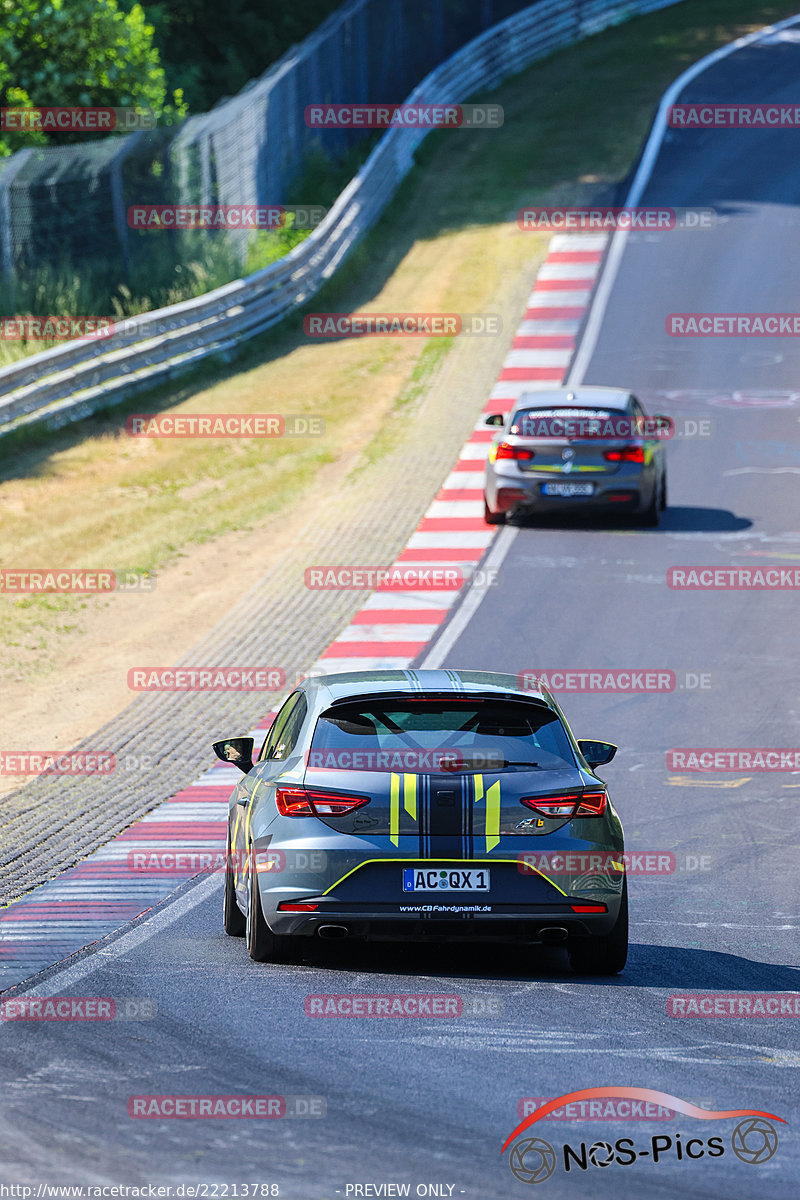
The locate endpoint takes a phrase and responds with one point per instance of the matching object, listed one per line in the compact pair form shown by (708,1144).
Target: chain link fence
(65,208)
(89,375)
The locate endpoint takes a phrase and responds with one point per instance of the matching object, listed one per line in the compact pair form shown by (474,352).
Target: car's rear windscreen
(530,422)
(482,729)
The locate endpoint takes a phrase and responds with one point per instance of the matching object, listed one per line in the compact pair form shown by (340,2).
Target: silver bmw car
(585,449)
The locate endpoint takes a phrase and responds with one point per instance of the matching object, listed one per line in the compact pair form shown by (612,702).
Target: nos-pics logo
(754,1140)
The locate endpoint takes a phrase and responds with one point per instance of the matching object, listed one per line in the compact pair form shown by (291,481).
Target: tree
(78,53)
(211,51)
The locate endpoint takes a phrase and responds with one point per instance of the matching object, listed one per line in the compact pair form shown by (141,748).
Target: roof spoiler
(438,694)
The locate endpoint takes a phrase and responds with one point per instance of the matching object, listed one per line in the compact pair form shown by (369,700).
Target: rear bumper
(628,488)
(621,497)
(376,925)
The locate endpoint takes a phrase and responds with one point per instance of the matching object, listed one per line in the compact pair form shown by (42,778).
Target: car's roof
(579,397)
(421,682)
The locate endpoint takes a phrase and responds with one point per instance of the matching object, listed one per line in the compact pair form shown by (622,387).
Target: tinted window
(517,732)
(536,422)
(287,738)
(276,733)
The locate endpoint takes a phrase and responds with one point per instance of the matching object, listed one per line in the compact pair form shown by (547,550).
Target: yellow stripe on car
(394,809)
(493,816)
(410,795)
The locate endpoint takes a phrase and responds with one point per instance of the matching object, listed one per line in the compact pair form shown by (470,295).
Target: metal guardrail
(79,378)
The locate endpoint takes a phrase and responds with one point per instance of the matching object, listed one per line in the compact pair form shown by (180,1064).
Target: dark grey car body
(558,474)
(342,875)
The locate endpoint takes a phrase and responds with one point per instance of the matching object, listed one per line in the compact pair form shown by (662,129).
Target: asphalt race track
(430,1101)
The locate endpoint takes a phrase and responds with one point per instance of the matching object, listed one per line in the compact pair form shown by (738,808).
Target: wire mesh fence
(88,375)
(67,209)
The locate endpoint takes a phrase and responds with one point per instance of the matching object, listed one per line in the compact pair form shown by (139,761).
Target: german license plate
(567,489)
(450,879)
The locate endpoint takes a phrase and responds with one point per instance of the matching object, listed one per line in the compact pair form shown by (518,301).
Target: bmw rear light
(506,450)
(598,908)
(570,804)
(291,906)
(632,454)
(310,802)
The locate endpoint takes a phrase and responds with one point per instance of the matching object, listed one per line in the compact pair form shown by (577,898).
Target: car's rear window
(485,729)
(526,421)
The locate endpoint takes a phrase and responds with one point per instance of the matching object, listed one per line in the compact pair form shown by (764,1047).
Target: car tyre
(233,919)
(492,518)
(650,515)
(262,944)
(663,491)
(604,955)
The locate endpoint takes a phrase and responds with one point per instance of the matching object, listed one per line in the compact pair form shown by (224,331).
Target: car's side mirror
(495,419)
(237,752)
(665,426)
(597,754)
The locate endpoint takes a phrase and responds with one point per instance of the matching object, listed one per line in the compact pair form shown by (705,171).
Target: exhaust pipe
(553,933)
(333,931)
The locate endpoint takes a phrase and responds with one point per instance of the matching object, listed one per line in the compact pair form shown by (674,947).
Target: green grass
(422,375)
(159,277)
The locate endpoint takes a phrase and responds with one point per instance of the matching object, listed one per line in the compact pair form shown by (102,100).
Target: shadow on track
(675,967)
(675,519)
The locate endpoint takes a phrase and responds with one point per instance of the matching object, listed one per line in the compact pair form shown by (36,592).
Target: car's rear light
(506,450)
(293,802)
(571,804)
(633,454)
(290,906)
(593,804)
(326,804)
(310,802)
(586,907)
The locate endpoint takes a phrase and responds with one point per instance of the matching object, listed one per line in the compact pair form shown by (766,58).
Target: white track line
(473,597)
(651,151)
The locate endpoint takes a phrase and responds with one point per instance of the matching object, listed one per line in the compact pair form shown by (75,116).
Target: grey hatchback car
(588,448)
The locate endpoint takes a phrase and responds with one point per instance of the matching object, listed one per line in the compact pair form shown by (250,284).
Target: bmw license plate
(453,879)
(567,489)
